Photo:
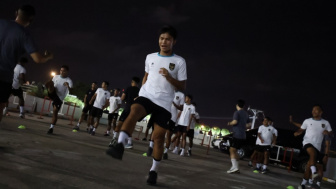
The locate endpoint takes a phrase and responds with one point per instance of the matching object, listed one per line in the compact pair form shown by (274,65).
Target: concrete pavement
(29,158)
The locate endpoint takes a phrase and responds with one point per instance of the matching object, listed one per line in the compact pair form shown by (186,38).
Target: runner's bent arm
(39,58)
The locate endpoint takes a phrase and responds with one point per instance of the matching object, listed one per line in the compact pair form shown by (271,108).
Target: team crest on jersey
(177,98)
(269,129)
(105,93)
(171,66)
(323,125)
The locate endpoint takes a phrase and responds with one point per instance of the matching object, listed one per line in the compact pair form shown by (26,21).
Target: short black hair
(170,30)
(23,60)
(117,89)
(136,79)
(268,118)
(95,82)
(318,105)
(65,67)
(190,96)
(106,83)
(241,103)
(26,12)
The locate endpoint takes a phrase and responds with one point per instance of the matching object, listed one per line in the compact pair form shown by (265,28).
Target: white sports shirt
(17,71)
(314,131)
(114,102)
(157,88)
(102,96)
(178,100)
(266,134)
(61,90)
(193,121)
(187,111)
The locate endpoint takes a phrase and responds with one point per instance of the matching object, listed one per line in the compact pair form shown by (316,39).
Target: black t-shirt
(89,95)
(131,93)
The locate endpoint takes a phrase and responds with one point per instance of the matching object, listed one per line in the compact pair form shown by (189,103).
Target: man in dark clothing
(240,122)
(15,41)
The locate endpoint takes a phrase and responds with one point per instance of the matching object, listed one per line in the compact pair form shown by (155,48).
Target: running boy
(87,107)
(164,71)
(100,101)
(58,88)
(115,103)
(191,131)
(315,128)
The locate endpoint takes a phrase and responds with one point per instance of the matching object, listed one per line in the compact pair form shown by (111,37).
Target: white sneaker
(129,146)
(175,151)
(233,170)
(182,153)
(22,115)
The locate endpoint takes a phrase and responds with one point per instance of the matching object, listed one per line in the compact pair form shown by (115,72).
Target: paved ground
(32,159)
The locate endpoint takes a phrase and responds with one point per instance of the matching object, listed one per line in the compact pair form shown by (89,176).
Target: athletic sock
(264,167)
(182,151)
(151,144)
(129,140)
(107,132)
(115,134)
(78,124)
(234,163)
(91,126)
(304,182)
(318,183)
(189,148)
(52,126)
(155,165)
(258,165)
(94,129)
(313,169)
(21,110)
(122,137)
(310,181)
(165,150)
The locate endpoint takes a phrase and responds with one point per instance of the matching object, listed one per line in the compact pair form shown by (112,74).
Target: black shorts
(305,147)
(182,129)
(112,116)
(191,133)
(261,148)
(96,112)
(57,102)
(124,113)
(171,126)
(237,143)
(150,124)
(87,108)
(160,115)
(6,90)
(18,92)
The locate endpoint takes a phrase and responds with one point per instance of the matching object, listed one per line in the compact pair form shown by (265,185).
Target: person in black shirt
(129,95)
(87,106)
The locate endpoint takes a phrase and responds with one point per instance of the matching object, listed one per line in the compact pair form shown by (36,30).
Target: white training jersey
(193,121)
(314,131)
(157,88)
(178,100)
(19,69)
(114,102)
(266,134)
(61,90)
(187,111)
(102,96)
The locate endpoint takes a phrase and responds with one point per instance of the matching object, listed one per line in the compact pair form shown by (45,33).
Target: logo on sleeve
(171,66)
(323,125)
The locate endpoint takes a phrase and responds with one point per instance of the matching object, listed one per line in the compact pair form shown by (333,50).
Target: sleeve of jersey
(235,116)
(182,72)
(304,125)
(193,110)
(182,100)
(70,83)
(328,127)
(29,44)
(146,65)
(275,132)
(259,129)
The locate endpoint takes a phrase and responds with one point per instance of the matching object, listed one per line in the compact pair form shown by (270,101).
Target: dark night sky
(277,55)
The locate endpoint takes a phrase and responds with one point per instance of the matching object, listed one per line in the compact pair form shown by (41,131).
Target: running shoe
(314,176)
(50,131)
(165,156)
(175,151)
(302,186)
(106,134)
(233,170)
(129,146)
(149,151)
(256,170)
(152,176)
(76,128)
(264,171)
(144,139)
(91,130)
(189,153)
(250,164)
(93,133)
(22,115)
(116,151)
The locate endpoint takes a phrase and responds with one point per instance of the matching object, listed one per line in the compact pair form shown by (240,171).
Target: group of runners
(164,77)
